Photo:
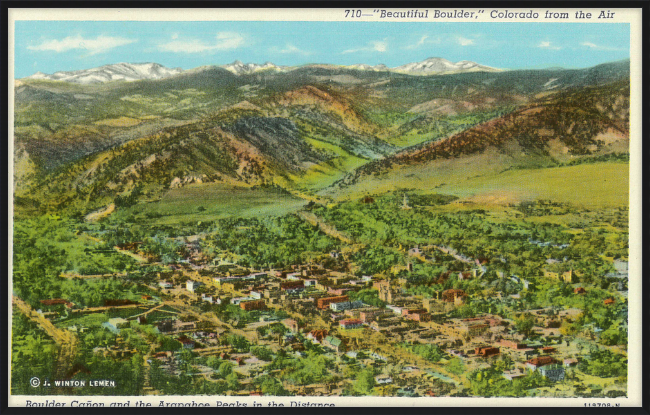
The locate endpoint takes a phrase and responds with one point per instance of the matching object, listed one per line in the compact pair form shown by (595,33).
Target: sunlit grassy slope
(200,202)
(589,185)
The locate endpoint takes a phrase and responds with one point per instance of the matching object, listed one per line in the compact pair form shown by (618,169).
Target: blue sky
(50,46)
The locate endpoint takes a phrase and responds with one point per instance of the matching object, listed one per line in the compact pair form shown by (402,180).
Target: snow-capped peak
(240,68)
(441,66)
(114,72)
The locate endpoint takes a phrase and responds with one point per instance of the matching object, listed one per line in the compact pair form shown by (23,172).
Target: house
(512,344)
(416,315)
(512,375)
(191,286)
(486,351)
(115,324)
(334,343)
(346,305)
(350,323)
(164,325)
(570,362)
(579,290)
(467,275)
(165,284)
(455,296)
(552,372)
(187,342)
(324,303)
(291,324)
(252,305)
(560,276)
(292,286)
(207,298)
(538,362)
(141,320)
(316,336)
(609,301)
(383,379)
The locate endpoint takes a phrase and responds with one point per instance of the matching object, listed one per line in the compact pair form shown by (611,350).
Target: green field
(202,202)
(587,185)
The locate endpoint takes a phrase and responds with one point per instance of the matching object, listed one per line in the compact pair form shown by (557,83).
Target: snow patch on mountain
(240,68)
(116,72)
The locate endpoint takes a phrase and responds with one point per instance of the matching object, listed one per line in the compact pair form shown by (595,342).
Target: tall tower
(405,203)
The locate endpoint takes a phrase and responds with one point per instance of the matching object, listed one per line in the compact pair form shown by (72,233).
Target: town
(335,323)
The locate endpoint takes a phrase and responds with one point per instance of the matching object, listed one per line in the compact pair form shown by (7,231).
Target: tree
(524,324)
(365,381)
(456,366)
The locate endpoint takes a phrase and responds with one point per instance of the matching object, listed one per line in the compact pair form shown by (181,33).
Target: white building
(191,286)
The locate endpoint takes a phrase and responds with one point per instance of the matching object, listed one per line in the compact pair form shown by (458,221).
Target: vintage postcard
(298,207)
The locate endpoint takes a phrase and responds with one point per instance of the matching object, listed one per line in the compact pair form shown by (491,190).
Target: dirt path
(65,340)
(325,227)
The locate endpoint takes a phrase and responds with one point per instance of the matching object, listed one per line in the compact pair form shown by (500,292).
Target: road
(65,340)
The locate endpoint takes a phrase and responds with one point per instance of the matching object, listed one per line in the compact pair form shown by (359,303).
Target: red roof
(542,361)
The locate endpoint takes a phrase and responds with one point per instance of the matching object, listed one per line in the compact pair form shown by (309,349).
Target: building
(316,336)
(346,305)
(383,379)
(115,324)
(579,290)
(324,303)
(552,372)
(417,315)
(252,305)
(191,285)
(560,276)
(291,324)
(292,286)
(165,284)
(165,325)
(352,323)
(455,296)
(486,351)
(513,344)
(334,343)
(187,342)
(538,362)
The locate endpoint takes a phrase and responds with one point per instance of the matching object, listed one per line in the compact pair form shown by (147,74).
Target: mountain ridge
(130,72)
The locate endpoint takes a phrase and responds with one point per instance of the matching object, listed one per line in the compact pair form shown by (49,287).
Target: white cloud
(548,45)
(594,46)
(289,48)
(424,40)
(223,41)
(93,46)
(374,46)
(463,41)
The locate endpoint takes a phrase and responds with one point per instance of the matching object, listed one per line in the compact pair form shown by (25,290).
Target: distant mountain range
(315,130)
(114,72)
(139,71)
